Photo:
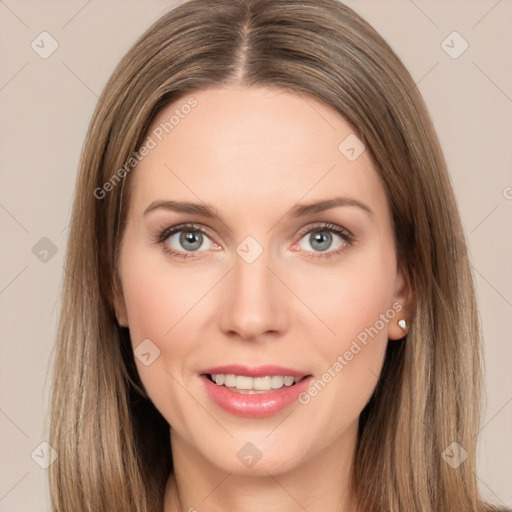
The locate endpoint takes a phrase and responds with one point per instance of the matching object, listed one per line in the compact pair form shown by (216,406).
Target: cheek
(165,304)
(355,304)
(157,297)
(157,303)
(351,299)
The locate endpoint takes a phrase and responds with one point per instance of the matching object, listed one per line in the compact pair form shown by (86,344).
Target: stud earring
(402,324)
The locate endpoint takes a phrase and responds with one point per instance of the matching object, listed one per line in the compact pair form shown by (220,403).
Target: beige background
(45,106)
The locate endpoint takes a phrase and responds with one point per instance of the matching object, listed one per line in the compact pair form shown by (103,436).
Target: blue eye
(189,240)
(185,240)
(321,239)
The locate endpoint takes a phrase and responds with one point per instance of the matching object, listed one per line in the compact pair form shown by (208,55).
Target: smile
(254,392)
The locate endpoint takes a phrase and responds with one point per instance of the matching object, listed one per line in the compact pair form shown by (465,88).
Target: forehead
(252,146)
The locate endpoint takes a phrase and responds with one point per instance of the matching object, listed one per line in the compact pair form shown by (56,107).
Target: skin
(253,153)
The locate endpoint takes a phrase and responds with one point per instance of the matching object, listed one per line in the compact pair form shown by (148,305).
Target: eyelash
(346,235)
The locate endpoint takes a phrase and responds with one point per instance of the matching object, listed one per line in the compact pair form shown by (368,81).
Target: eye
(186,239)
(324,238)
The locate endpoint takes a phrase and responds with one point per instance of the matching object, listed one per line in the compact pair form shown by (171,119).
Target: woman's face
(261,288)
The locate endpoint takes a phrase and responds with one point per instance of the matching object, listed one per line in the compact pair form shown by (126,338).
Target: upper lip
(254,371)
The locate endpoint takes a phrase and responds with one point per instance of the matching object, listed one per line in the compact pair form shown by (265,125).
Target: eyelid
(328,226)
(164,234)
(341,231)
(346,236)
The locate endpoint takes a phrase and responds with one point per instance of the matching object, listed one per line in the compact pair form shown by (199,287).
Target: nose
(253,301)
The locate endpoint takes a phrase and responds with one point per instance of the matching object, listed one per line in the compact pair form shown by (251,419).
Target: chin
(256,455)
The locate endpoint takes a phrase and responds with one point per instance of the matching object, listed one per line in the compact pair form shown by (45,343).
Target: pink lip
(257,405)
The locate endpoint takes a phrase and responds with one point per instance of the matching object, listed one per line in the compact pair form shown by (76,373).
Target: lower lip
(257,405)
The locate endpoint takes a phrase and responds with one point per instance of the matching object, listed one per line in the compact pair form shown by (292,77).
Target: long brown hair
(112,443)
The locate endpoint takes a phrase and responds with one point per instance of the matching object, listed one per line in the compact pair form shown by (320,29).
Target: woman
(268,303)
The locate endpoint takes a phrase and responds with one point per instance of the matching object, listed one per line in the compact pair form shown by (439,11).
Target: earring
(402,324)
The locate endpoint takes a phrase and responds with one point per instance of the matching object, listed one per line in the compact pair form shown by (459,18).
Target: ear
(401,304)
(119,303)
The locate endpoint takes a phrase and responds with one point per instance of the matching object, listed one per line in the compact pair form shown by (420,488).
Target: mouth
(254,392)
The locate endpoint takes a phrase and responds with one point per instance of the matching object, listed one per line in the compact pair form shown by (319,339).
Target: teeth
(251,385)
(229,381)
(243,382)
(262,383)
(277,381)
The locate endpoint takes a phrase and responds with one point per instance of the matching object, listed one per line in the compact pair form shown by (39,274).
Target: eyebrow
(298,210)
